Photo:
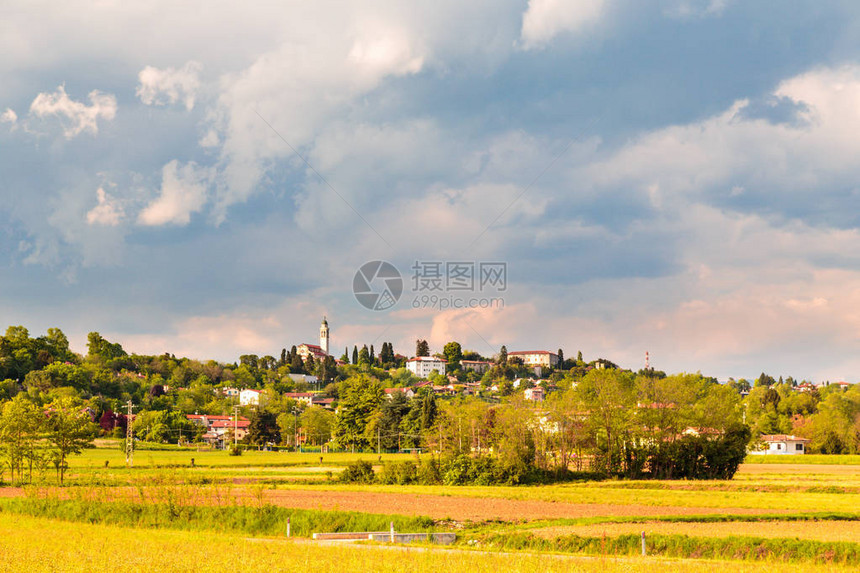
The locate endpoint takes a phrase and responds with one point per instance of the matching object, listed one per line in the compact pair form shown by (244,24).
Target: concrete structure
(783,444)
(248,397)
(536,357)
(305,350)
(479,366)
(422,366)
(324,338)
(536,394)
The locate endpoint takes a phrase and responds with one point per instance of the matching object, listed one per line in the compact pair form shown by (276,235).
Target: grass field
(778,514)
(78,547)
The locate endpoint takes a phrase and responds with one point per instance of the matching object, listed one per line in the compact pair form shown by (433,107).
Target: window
(798,447)
(779,446)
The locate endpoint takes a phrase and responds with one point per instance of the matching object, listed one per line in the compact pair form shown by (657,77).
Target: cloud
(169,86)
(108,212)
(545,19)
(761,156)
(183,192)
(9,116)
(78,116)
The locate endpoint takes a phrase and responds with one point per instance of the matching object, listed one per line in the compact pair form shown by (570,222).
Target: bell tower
(324,339)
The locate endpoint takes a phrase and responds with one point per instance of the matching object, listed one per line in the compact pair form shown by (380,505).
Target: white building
(536,357)
(248,397)
(782,444)
(318,352)
(422,366)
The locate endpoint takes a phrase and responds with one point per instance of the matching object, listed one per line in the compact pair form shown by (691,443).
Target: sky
(206,178)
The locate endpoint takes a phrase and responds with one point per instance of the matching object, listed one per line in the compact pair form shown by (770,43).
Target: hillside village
(388,401)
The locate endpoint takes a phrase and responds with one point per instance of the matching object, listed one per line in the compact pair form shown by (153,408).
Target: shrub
(359,471)
(400,473)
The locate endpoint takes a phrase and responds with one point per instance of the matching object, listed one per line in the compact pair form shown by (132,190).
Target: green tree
(318,423)
(263,428)
(453,354)
(422,348)
(69,429)
(361,397)
(21,424)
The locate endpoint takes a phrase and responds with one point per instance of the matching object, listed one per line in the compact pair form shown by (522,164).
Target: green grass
(808,459)
(737,548)
(175,514)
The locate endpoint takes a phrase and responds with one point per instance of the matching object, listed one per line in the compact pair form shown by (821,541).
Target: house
(229,392)
(248,397)
(408,392)
(536,357)
(422,366)
(304,397)
(536,394)
(220,428)
(479,366)
(304,378)
(782,444)
(322,402)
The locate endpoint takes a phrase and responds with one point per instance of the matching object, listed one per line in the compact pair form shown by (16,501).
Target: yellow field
(816,530)
(40,545)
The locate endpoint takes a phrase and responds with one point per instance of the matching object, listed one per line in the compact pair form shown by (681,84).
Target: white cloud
(545,19)
(108,212)
(9,116)
(744,154)
(169,86)
(78,116)
(183,192)
(209,139)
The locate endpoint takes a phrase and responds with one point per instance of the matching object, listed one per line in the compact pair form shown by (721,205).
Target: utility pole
(129,438)
(378,441)
(236,427)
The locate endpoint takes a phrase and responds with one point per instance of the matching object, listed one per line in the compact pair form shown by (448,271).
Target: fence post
(392,532)
(643,544)
(288,527)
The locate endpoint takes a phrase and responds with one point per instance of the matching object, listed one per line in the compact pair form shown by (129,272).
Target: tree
(69,430)
(372,356)
(345,357)
(263,428)
(503,355)
(422,348)
(355,354)
(364,356)
(561,359)
(20,425)
(101,350)
(318,423)
(453,354)
(360,400)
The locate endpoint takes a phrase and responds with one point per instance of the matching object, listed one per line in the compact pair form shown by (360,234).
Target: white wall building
(422,366)
(248,397)
(782,444)
(536,357)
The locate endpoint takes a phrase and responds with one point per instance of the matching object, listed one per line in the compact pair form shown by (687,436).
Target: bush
(400,473)
(358,472)
(235,451)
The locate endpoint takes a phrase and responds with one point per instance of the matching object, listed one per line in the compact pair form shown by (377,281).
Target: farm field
(77,547)
(770,517)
